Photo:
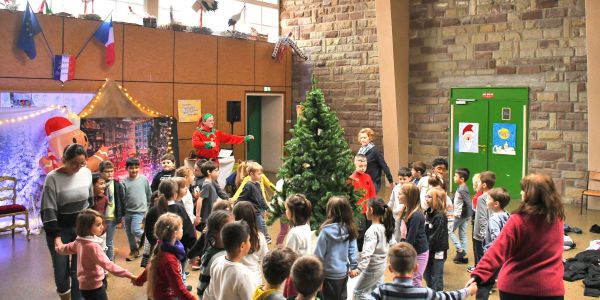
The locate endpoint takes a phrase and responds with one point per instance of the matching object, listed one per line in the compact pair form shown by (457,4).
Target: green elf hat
(206,116)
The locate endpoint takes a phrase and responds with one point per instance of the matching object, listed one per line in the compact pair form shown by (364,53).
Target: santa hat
(59,125)
(468,128)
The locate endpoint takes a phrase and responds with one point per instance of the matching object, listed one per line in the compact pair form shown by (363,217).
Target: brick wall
(534,43)
(340,39)
(455,43)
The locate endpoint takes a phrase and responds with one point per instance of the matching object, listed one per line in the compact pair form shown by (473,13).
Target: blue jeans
(65,266)
(434,273)
(110,236)
(461,224)
(133,228)
(262,226)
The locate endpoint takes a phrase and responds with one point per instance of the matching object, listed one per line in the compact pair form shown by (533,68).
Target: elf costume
(207,140)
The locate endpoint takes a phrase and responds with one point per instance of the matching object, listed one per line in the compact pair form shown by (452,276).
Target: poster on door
(504,138)
(469,137)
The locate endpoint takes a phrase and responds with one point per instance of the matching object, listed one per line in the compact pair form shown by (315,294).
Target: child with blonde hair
(164,271)
(253,191)
(436,228)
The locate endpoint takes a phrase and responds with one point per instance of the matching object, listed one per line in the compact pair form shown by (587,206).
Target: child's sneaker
(145,259)
(470,269)
(133,255)
(269,241)
(460,258)
(195,263)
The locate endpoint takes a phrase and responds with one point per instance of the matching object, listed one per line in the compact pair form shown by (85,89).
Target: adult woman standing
(530,246)
(67,191)
(375,161)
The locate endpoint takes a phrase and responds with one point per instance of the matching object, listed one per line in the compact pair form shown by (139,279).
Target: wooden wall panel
(239,128)
(91,63)
(206,93)
(288,69)
(157,96)
(185,146)
(14,61)
(148,54)
(266,67)
(195,58)
(235,62)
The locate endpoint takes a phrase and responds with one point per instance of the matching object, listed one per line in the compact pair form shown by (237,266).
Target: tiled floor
(27,271)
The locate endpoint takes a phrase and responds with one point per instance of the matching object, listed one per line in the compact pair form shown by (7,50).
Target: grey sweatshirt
(375,249)
(481,218)
(63,197)
(137,194)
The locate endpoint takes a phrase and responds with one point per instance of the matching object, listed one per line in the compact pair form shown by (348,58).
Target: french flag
(64,67)
(105,35)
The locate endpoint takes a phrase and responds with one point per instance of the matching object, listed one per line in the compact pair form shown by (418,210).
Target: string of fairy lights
(33,114)
(90,108)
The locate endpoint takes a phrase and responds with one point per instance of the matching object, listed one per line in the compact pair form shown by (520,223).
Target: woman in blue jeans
(67,191)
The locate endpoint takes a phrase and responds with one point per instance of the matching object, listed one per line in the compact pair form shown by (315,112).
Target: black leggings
(509,296)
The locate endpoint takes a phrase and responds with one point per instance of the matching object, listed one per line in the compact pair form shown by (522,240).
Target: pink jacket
(91,262)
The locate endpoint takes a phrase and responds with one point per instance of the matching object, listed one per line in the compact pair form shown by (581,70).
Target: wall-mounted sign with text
(189,110)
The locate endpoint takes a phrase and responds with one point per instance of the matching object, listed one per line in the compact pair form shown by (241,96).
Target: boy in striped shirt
(402,259)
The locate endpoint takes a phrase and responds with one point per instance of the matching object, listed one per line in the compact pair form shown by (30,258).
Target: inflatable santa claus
(207,140)
(60,133)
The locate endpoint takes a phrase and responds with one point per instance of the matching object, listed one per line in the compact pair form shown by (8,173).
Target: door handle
(482,146)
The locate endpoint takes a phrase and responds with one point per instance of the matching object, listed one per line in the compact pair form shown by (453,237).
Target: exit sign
(487,95)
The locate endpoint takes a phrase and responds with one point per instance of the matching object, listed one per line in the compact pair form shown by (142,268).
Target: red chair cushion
(13,208)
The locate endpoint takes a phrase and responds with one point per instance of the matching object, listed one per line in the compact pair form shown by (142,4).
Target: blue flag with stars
(29,29)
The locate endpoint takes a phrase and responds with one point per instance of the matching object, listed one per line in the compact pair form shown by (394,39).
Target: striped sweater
(63,197)
(402,288)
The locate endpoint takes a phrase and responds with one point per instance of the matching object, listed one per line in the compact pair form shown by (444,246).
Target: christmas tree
(318,160)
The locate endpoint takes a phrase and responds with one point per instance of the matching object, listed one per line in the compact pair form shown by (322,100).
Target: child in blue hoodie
(336,245)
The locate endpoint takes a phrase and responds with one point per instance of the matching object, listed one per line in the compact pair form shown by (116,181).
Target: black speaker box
(234,111)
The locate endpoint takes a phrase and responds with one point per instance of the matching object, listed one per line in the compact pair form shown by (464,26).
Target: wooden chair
(590,176)
(8,186)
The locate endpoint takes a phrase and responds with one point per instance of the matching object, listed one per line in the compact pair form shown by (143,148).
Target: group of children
(408,235)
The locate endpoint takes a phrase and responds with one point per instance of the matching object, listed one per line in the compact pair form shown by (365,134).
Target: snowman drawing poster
(469,137)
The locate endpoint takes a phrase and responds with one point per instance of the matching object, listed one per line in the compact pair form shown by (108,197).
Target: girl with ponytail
(379,236)
(164,272)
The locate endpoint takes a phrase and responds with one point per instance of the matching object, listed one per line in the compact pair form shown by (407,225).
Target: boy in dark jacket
(168,163)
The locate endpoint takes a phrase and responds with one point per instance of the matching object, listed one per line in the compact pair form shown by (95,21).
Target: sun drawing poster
(504,138)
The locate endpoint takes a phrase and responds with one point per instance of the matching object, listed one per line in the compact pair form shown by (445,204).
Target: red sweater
(169,284)
(203,135)
(363,181)
(529,250)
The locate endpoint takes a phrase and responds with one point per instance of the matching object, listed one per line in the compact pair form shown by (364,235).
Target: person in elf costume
(207,140)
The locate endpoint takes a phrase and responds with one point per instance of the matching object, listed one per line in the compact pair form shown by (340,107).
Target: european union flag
(29,29)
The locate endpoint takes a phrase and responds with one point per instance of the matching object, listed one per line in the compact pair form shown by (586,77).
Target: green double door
(488,131)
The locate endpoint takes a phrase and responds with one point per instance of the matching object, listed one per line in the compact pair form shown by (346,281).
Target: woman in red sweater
(530,246)
(164,271)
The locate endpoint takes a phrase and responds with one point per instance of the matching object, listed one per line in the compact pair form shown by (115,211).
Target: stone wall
(455,43)
(535,43)
(340,39)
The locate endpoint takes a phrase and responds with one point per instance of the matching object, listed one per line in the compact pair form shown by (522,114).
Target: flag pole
(91,37)
(42,31)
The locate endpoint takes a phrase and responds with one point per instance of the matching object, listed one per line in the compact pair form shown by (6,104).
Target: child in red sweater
(91,259)
(363,183)
(164,270)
